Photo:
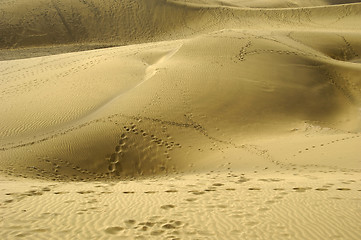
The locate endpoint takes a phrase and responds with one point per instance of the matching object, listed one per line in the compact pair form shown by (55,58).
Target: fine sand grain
(180,119)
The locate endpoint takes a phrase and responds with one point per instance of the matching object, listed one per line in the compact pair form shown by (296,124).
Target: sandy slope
(92,23)
(203,120)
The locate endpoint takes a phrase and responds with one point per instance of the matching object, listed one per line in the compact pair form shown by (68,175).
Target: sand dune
(180,119)
(267,4)
(95,24)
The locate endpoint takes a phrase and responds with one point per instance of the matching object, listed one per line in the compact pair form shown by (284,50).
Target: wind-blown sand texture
(180,119)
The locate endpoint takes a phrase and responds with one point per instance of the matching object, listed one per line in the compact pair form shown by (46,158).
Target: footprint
(343,189)
(176,222)
(144,228)
(46,189)
(150,192)
(171,191)
(113,230)
(218,184)
(210,189)
(169,226)
(191,199)
(147,224)
(157,232)
(270,179)
(167,207)
(129,222)
(243,180)
(195,192)
(85,192)
(301,189)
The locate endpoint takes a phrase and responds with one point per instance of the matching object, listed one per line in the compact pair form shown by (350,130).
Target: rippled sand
(176,119)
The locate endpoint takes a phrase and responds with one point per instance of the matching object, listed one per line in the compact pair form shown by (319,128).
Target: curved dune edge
(260,4)
(54,26)
(180,119)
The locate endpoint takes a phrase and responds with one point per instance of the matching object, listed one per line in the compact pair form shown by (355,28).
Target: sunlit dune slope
(154,108)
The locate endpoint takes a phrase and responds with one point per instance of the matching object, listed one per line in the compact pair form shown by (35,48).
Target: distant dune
(49,22)
(180,119)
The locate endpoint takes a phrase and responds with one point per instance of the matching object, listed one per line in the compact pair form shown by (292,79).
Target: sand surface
(180,119)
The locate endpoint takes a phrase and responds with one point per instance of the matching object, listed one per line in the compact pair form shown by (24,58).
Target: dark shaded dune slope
(62,22)
(268,4)
(94,22)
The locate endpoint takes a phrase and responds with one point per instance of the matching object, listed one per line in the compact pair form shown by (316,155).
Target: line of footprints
(331,142)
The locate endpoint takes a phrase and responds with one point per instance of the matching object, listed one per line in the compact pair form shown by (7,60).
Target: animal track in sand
(86,192)
(150,192)
(156,232)
(328,143)
(18,196)
(167,207)
(171,191)
(59,193)
(191,199)
(121,151)
(158,227)
(243,180)
(196,192)
(243,52)
(138,153)
(113,230)
(271,179)
(301,189)
(130,222)
(132,141)
(217,184)
(58,166)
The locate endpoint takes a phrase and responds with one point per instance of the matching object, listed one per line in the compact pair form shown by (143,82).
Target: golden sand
(156,119)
